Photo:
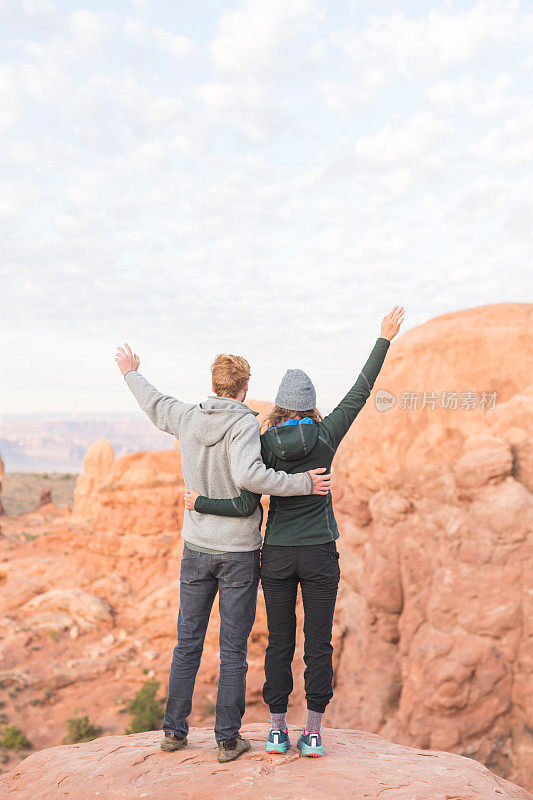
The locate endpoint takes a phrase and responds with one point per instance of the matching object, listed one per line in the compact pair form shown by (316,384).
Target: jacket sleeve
(165,412)
(248,469)
(242,506)
(337,424)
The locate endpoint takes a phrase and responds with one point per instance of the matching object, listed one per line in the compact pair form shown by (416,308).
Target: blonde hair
(229,374)
(279,415)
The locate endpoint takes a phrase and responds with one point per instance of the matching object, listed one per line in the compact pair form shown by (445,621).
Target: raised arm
(242,506)
(337,424)
(164,411)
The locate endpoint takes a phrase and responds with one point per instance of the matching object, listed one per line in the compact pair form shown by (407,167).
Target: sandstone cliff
(485,349)
(434,640)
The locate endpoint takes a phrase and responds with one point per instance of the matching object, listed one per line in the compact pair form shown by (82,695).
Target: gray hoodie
(220,455)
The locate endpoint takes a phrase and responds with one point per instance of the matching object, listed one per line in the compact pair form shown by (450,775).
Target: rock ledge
(357,765)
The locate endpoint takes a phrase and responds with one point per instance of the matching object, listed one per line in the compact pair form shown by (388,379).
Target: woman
(299,545)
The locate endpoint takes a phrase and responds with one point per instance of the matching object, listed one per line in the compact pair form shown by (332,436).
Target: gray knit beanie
(296,391)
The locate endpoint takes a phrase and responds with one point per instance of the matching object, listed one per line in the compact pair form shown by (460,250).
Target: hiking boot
(173,742)
(232,748)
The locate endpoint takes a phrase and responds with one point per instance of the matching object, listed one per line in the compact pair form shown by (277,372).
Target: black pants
(316,568)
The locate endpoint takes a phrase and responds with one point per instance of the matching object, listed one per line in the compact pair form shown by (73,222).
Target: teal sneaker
(277,742)
(310,744)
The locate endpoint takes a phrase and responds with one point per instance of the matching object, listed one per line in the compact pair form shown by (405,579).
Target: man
(220,454)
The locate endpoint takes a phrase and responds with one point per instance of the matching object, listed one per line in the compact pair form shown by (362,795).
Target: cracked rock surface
(357,765)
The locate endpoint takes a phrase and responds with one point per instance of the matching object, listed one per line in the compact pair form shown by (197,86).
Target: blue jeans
(235,576)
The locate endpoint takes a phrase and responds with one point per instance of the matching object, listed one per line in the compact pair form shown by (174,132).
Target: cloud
(510,144)
(245,105)
(240,184)
(88,29)
(440,40)
(10,105)
(175,45)
(252,37)
(37,8)
(403,143)
(179,47)
(475,97)
(343,96)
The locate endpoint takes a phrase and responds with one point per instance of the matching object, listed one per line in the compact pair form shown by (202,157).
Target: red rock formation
(46,498)
(357,765)
(1,479)
(484,349)
(433,634)
(139,493)
(434,641)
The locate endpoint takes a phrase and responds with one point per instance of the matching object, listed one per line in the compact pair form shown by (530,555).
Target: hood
(291,442)
(213,418)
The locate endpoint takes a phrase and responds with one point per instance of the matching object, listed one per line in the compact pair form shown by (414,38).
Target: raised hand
(190,498)
(391,322)
(127,360)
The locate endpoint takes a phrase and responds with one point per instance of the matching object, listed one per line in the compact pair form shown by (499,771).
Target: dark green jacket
(305,519)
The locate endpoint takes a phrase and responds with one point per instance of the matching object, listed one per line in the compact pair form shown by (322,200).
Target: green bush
(146,708)
(79,729)
(14,739)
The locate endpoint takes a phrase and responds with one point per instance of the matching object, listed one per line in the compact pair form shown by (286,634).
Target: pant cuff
(318,708)
(279,709)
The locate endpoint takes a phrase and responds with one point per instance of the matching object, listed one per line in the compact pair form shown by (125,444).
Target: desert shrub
(146,708)
(14,739)
(79,729)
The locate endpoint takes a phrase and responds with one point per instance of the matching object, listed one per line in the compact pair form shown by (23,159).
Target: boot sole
(273,749)
(310,753)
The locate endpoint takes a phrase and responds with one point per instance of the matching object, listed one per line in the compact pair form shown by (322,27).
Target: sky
(260,177)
